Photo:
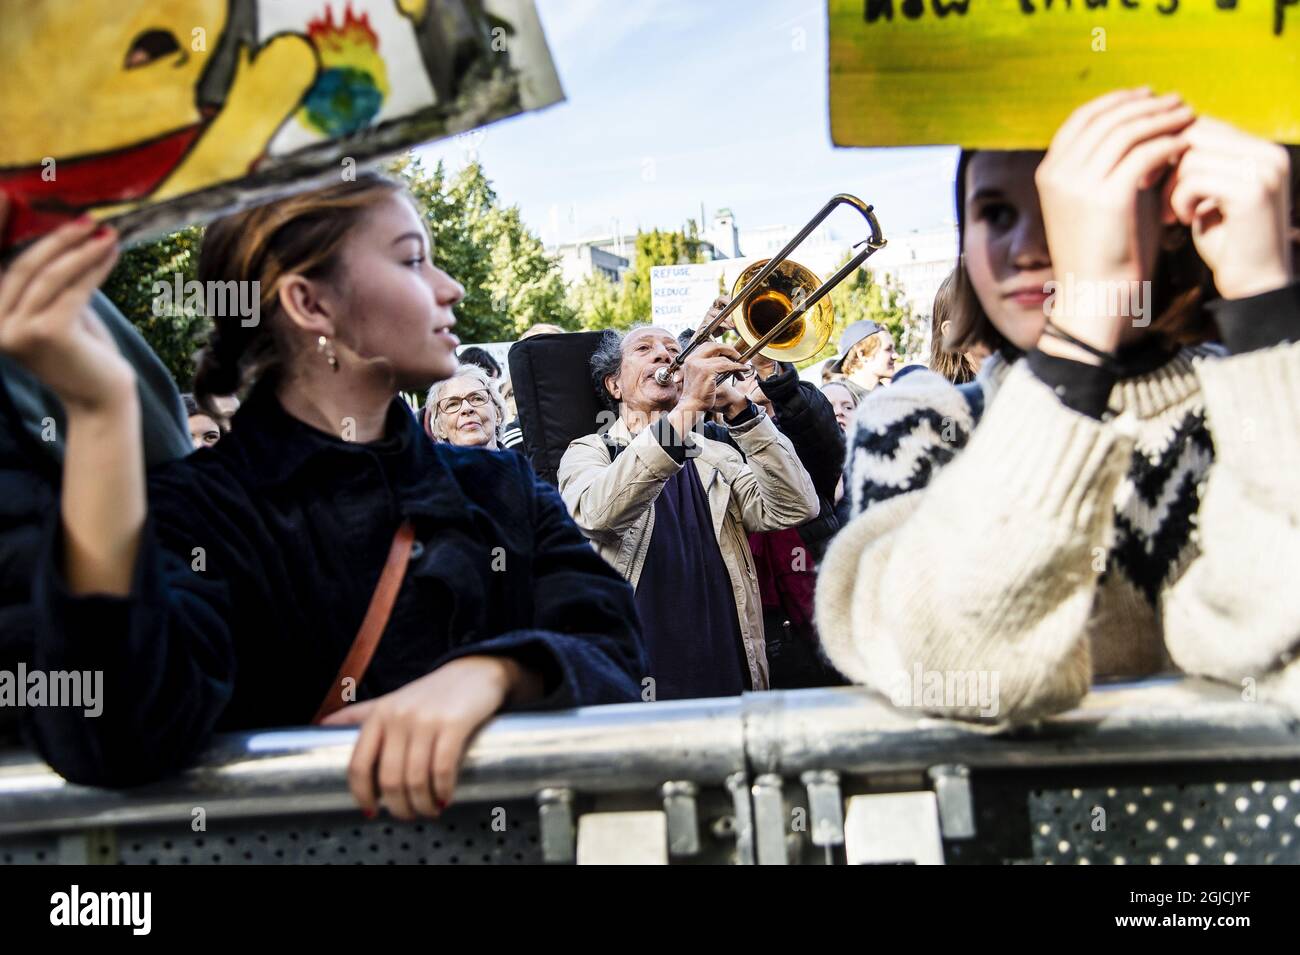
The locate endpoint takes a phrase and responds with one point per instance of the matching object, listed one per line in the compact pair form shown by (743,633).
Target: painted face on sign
(158,99)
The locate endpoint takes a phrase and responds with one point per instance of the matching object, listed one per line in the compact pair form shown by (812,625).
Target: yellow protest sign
(1003,74)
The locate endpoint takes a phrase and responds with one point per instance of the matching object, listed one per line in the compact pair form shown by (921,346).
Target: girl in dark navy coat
(230,600)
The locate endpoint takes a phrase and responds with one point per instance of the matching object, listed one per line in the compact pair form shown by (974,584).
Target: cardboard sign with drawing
(153,113)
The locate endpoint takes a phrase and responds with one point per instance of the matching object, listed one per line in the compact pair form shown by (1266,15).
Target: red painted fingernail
(101,232)
(440,804)
(369,813)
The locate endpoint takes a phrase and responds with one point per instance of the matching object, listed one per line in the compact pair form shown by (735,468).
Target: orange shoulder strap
(376,619)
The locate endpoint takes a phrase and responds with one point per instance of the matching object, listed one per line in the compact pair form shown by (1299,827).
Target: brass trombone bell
(768,305)
(784,311)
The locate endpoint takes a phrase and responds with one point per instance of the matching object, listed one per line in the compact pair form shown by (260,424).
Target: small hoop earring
(325,348)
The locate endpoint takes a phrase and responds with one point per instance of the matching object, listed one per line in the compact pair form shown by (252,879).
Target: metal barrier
(1162,771)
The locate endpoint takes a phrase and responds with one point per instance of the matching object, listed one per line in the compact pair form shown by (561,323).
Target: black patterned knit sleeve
(901,435)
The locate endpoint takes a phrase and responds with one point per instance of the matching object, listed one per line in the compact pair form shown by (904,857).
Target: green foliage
(654,248)
(864,296)
(174,332)
(526,283)
(599,303)
(510,281)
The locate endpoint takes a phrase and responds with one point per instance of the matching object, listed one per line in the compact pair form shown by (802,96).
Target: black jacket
(29,494)
(805,416)
(32,427)
(259,558)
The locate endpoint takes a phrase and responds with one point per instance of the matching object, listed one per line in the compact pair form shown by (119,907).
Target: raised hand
(46,323)
(1099,210)
(700,389)
(1233,190)
(729,323)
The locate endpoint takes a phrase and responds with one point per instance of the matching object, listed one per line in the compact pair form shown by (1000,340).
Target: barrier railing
(668,754)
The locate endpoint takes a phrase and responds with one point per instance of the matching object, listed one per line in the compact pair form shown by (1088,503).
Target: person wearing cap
(866,354)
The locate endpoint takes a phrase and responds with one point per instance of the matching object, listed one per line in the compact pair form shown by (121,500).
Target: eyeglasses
(476,399)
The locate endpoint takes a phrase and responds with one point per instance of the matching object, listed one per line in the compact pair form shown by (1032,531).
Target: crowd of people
(1065,491)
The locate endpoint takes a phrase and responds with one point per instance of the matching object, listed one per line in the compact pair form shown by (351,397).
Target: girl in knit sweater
(1125,506)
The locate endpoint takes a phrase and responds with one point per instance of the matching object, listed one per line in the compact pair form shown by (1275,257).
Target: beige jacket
(767,489)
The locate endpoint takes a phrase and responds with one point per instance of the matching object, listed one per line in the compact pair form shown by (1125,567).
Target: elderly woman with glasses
(466,410)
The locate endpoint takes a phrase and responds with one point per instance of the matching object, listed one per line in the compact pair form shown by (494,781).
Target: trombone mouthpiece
(663,376)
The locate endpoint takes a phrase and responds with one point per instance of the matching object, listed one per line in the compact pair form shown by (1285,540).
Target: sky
(673,103)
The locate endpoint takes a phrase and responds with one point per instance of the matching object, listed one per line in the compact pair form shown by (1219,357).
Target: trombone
(777,293)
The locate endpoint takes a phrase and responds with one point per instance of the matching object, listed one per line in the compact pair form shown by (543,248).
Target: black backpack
(551,376)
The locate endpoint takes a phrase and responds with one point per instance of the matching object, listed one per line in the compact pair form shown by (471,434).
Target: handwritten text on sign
(1003,74)
(681,295)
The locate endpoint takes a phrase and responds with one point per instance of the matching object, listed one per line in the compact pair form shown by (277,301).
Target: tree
(654,248)
(596,302)
(174,332)
(526,284)
(510,281)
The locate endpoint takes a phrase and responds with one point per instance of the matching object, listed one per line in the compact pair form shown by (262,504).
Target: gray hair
(607,361)
(481,377)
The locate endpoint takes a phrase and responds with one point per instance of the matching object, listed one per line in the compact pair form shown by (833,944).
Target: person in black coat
(231,600)
(32,426)
(29,490)
(806,417)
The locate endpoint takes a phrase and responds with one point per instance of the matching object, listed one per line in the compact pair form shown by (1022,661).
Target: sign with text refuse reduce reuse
(680,295)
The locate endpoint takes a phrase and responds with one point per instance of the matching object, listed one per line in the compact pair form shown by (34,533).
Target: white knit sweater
(1045,548)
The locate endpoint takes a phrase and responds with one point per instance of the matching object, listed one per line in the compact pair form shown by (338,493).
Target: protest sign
(156,113)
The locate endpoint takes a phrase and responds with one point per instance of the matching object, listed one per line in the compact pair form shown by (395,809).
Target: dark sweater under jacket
(257,564)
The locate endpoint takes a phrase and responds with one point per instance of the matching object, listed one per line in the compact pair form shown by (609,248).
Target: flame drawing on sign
(353,80)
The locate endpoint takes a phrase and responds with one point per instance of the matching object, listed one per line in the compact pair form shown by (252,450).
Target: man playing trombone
(670,508)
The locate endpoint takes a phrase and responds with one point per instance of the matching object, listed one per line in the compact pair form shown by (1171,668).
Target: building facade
(916,262)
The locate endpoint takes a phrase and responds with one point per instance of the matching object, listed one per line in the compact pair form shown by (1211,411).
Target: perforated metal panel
(465,835)
(1170,815)
(35,850)
(1239,822)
